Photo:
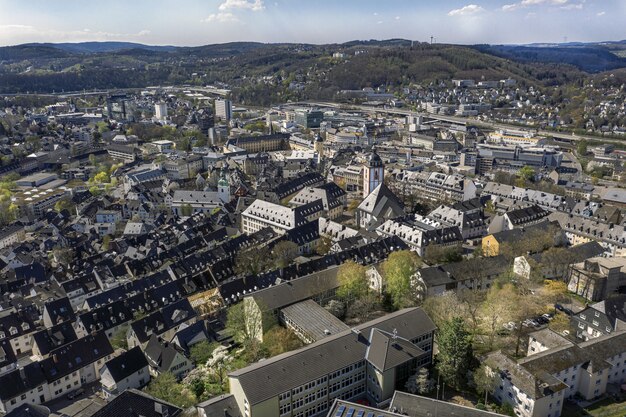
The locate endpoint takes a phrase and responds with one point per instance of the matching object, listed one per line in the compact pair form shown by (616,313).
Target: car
(548,316)
(510,326)
(542,320)
(74,394)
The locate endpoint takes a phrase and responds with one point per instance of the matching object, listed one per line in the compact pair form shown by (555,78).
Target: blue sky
(200,22)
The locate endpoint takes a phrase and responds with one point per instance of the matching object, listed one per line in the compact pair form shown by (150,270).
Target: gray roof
(418,406)
(297,290)
(386,352)
(316,322)
(222,405)
(281,373)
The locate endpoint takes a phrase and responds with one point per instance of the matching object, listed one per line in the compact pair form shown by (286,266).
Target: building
(309,119)
(437,186)
(140,403)
(128,370)
(11,234)
(224,109)
(379,206)
(496,243)
(261,214)
(418,232)
(185,203)
(123,153)
(333,198)
(160,111)
(580,229)
(366,362)
(601,318)
(597,278)
(165,357)
(537,385)
(256,144)
(373,173)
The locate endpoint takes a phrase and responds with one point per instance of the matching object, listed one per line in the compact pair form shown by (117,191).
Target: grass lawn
(608,408)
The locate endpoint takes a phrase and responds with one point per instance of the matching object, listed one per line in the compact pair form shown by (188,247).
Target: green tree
(352,281)
(398,271)
(323,245)
(167,388)
(106,243)
(253,261)
(279,340)
(101,178)
(201,352)
(455,355)
(186,210)
(581,147)
(119,340)
(485,381)
(526,173)
(283,253)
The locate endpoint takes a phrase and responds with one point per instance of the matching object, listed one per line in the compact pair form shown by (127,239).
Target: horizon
(322,22)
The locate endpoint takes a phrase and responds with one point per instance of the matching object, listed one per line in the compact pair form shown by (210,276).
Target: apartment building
(556,369)
(366,362)
(438,186)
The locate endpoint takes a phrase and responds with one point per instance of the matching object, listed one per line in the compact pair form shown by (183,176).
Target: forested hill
(269,73)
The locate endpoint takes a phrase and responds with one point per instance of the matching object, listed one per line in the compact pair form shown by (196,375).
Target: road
(462,121)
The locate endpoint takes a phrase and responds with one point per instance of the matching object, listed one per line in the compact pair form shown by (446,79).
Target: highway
(463,121)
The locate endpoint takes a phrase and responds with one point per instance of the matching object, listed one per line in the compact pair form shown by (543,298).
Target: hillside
(263,73)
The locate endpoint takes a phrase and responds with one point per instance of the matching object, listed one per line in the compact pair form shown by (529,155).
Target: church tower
(223,187)
(318,146)
(373,173)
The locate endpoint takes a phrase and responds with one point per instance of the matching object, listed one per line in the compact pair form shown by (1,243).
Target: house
(473,274)
(190,335)
(379,206)
(111,319)
(369,361)
(57,311)
(164,322)
(601,318)
(518,218)
(438,186)
(471,223)
(597,278)
(11,234)
(128,370)
(140,403)
(580,229)
(550,268)
(17,328)
(26,385)
(167,357)
(496,243)
(332,196)
(262,214)
(46,340)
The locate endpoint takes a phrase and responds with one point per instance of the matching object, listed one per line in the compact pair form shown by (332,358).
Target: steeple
(373,173)
(223,186)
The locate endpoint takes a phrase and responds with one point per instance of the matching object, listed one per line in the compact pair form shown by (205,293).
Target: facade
(601,318)
(537,385)
(160,111)
(597,278)
(378,207)
(438,186)
(256,144)
(373,173)
(367,362)
(262,214)
(128,370)
(224,109)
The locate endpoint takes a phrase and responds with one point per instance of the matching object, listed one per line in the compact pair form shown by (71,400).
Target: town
(170,250)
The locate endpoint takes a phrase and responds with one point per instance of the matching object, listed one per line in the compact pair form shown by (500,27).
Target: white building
(160,111)
(224,109)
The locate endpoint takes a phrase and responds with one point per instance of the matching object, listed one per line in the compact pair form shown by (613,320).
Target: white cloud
(470,9)
(397,17)
(28,33)
(600,14)
(221,17)
(255,5)
(561,4)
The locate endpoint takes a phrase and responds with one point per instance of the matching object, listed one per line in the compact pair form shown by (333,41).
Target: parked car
(548,316)
(564,309)
(510,326)
(76,393)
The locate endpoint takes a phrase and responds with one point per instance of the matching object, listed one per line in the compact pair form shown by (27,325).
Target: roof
(387,351)
(380,200)
(29,410)
(223,405)
(134,403)
(126,364)
(315,321)
(291,292)
(418,406)
(19,381)
(161,354)
(274,376)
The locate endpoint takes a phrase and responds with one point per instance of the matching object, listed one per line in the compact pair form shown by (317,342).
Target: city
(369,228)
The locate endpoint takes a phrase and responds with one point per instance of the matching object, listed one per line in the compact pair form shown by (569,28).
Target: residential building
(261,214)
(165,357)
(597,278)
(437,186)
(601,318)
(128,370)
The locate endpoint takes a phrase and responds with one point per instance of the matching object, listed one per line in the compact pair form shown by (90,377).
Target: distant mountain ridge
(101,47)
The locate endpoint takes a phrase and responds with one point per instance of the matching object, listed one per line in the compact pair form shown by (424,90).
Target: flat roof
(314,320)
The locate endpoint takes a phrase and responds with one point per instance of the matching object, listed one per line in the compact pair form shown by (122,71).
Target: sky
(202,22)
